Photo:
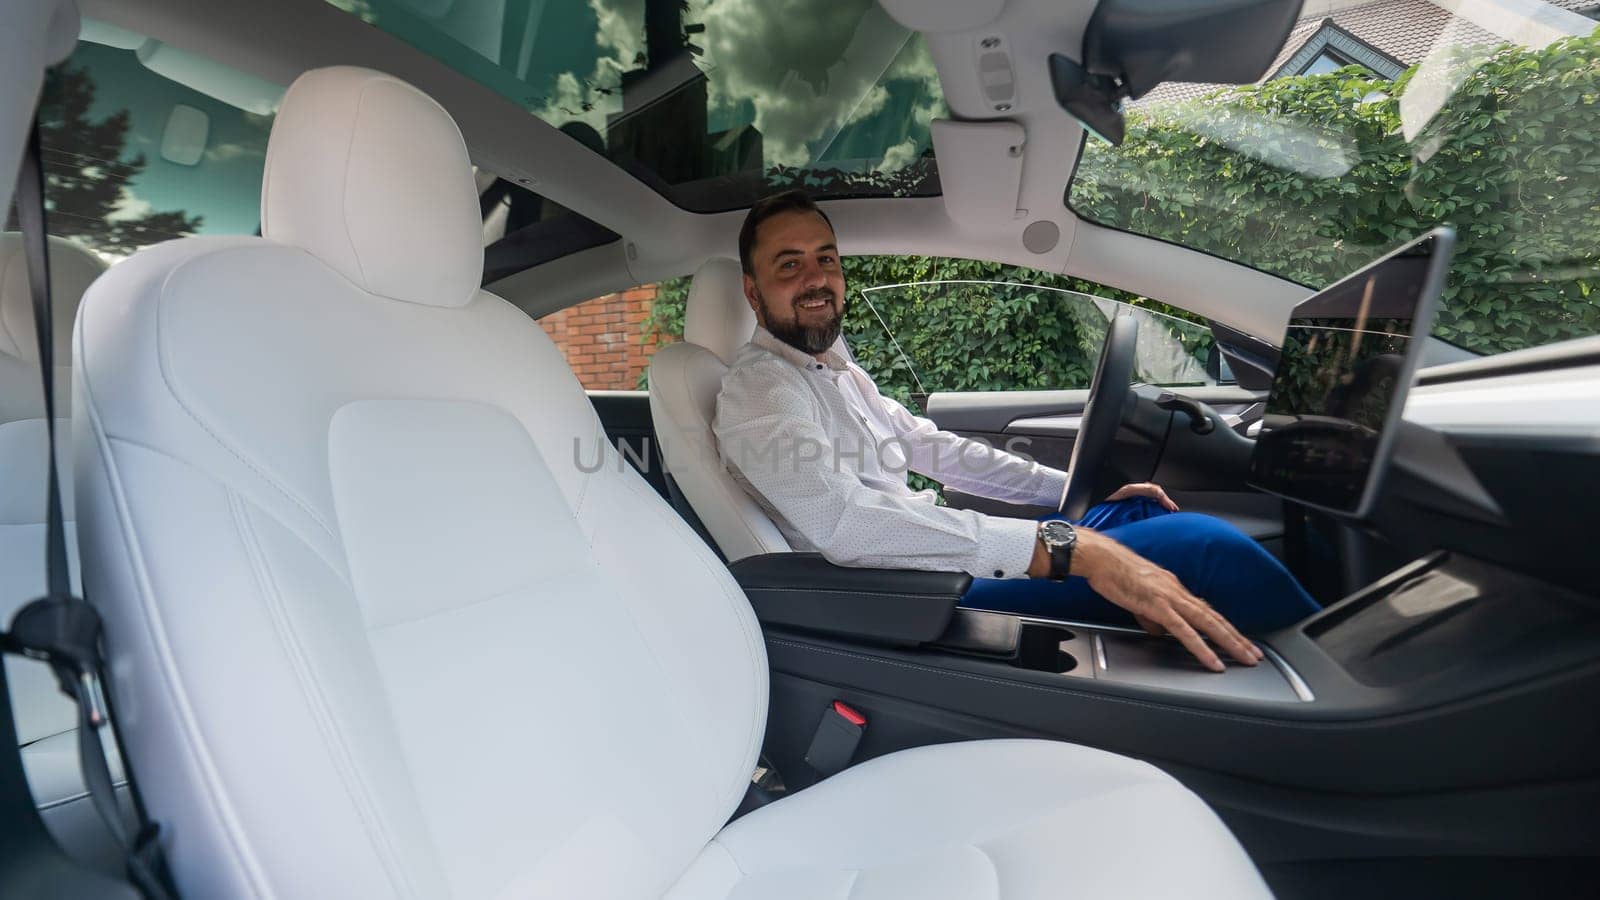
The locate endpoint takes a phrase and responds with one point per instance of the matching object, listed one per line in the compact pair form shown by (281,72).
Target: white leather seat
(684,380)
(45,719)
(375,631)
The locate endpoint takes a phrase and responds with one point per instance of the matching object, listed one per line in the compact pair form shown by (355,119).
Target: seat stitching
(738,604)
(994,868)
(333,569)
(727,495)
(344,186)
(850,889)
(172,389)
(311,689)
(717,484)
(194,744)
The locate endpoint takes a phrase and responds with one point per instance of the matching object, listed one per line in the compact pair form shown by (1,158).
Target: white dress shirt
(826,455)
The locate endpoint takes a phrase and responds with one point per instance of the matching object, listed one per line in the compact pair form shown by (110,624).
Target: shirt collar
(832,359)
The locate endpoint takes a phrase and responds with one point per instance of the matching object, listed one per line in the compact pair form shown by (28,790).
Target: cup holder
(1040,649)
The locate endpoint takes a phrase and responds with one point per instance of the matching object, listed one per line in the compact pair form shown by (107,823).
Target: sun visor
(980,169)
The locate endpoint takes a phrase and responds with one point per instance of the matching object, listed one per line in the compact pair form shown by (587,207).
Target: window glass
(522,229)
(712,102)
(1325,62)
(1002,335)
(608,340)
(143,142)
(921,325)
(1493,129)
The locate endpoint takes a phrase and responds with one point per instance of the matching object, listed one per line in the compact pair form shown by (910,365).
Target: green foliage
(1327,181)
(993,327)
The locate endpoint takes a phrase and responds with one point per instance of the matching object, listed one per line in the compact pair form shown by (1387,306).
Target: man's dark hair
(766,208)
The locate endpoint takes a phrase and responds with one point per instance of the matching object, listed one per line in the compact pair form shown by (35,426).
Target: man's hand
(1145,489)
(1160,602)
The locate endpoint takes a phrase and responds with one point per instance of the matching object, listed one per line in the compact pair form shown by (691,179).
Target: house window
(1331,48)
(1327,61)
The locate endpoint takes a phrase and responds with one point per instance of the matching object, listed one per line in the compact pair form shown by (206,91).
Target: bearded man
(808,434)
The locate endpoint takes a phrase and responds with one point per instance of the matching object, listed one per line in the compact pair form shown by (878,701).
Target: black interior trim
(888,606)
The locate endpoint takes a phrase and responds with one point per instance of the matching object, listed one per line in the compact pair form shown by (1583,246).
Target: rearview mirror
(1130,46)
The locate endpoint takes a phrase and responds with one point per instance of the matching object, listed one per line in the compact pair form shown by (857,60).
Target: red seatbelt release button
(833,747)
(848,714)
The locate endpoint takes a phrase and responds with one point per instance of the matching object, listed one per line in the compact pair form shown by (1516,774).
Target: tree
(88,175)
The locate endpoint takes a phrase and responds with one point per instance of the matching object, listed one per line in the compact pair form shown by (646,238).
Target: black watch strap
(1060,549)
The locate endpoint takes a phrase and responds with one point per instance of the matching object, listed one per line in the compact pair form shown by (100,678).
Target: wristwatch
(1059,539)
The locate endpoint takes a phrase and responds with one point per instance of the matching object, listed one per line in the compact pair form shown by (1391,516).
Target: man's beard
(811,339)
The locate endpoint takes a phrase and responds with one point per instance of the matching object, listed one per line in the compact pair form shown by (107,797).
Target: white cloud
(619,34)
(234,150)
(129,206)
(899,156)
(806,73)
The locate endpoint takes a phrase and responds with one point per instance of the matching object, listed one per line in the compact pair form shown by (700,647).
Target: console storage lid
(893,606)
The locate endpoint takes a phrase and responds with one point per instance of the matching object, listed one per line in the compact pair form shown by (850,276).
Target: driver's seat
(684,380)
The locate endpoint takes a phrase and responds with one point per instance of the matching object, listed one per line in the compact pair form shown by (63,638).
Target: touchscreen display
(1347,360)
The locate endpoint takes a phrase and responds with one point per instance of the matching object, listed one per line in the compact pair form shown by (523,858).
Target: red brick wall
(601,338)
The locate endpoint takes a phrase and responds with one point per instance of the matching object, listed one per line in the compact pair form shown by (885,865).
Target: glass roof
(714,103)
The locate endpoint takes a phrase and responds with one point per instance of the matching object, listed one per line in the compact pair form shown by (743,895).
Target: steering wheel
(1102,415)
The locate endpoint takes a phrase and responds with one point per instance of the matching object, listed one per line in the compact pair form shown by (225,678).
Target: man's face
(797,288)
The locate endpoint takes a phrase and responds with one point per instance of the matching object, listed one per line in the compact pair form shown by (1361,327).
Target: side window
(144,142)
(921,325)
(608,340)
(987,327)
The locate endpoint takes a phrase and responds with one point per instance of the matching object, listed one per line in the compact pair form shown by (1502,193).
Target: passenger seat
(377,632)
(46,720)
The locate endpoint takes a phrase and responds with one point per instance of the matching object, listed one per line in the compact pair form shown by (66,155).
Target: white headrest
(717,316)
(72,268)
(370,175)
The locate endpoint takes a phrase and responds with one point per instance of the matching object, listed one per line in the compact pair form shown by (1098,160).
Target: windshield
(1379,121)
(714,103)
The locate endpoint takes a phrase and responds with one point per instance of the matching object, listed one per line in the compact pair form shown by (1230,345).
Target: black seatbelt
(59,628)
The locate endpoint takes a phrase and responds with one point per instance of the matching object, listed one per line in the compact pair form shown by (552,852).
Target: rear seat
(46,720)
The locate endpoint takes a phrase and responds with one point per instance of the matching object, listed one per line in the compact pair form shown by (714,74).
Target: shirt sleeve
(974,467)
(770,436)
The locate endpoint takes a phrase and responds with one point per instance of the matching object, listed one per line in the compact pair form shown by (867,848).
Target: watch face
(1056,532)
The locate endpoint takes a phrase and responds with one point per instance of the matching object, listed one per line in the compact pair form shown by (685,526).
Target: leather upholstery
(984,820)
(894,606)
(374,627)
(361,210)
(378,628)
(717,316)
(684,381)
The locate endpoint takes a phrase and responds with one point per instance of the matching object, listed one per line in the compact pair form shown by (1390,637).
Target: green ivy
(1511,160)
(1010,330)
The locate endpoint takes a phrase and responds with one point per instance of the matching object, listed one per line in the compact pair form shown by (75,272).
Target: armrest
(896,606)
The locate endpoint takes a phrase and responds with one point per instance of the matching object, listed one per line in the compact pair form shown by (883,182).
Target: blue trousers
(1217,562)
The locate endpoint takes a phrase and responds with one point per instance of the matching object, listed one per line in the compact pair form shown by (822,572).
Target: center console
(1449,674)
(1113,656)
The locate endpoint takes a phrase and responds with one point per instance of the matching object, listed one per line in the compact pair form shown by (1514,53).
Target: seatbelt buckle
(64,632)
(838,735)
